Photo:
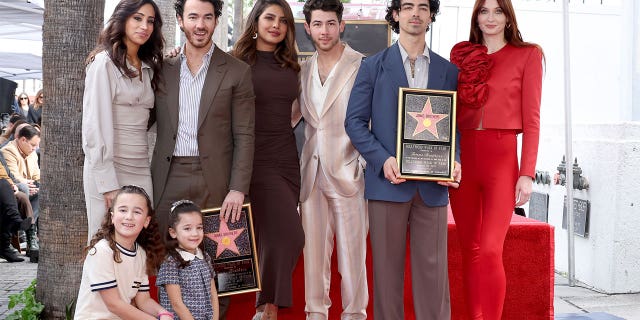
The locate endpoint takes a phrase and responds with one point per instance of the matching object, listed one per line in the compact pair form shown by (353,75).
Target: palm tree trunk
(238,27)
(221,34)
(70,31)
(168,14)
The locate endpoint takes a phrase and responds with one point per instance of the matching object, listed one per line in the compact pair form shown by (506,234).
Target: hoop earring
(255,36)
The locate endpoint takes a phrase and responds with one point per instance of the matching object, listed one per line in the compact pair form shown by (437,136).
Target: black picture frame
(236,262)
(426,135)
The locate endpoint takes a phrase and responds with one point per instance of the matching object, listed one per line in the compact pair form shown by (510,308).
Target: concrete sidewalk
(14,277)
(570,303)
(582,303)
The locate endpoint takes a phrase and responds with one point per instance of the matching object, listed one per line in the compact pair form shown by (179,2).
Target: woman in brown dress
(267,44)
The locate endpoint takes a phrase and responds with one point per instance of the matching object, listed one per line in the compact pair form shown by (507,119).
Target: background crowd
(20,179)
(225,137)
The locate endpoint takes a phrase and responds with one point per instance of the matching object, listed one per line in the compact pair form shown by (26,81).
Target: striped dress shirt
(419,78)
(190,91)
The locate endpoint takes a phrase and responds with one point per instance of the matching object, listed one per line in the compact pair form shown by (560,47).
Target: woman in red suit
(499,87)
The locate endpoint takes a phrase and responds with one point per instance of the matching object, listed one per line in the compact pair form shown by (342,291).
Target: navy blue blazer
(374,98)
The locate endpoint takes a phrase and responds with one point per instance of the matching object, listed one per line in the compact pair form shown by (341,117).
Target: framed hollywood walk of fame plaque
(232,247)
(426,134)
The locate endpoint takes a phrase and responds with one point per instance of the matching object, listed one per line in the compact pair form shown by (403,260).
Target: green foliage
(69,310)
(27,297)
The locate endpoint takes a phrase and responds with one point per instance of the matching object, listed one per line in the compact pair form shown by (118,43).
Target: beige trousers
(326,214)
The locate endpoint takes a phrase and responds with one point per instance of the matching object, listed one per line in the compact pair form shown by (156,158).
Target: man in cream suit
(332,192)
(205,116)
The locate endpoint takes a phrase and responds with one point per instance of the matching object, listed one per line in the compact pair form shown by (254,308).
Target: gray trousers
(427,226)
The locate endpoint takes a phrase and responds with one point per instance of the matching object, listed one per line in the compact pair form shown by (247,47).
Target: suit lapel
(172,81)
(308,77)
(215,74)
(436,73)
(343,70)
(392,65)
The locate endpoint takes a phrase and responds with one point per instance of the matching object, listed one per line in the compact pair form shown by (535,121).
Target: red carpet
(528,258)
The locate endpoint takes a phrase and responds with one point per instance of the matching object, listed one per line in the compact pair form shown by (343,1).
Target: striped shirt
(189,100)
(419,76)
(101,272)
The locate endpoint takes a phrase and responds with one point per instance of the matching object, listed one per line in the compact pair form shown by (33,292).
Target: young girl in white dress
(121,255)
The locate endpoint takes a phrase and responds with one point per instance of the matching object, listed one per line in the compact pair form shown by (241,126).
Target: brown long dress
(275,184)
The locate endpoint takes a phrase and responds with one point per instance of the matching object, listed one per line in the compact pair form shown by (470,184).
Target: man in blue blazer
(371,123)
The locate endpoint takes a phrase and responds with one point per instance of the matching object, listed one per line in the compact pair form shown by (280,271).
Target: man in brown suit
(205,116)
(332,189)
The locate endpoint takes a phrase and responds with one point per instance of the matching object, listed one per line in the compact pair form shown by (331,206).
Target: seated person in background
(8,132)
(23,104)
(15,213)
(22,162)
(35,110)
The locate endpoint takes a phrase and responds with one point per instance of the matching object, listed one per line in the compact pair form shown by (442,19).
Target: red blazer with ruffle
(501,90)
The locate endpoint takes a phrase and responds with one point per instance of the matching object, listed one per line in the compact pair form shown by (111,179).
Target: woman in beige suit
(118,95)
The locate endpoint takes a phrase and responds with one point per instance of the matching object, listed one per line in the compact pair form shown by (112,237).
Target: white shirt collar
(404,55)
(188,256)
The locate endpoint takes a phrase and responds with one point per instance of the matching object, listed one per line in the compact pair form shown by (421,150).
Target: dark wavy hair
(149,238)
(324,5)
(178,208)
(395,5)
(111,40)
(217,7)
(285,53)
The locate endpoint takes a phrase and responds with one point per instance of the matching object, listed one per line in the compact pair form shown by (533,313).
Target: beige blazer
(326,141)
(23,169)
(225,126)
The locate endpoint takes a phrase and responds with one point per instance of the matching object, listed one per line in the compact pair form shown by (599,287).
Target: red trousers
(482,209)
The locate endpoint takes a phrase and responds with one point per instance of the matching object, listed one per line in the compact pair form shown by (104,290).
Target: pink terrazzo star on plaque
(427,120)
(225,238)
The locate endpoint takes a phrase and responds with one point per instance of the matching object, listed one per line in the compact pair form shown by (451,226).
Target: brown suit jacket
(225,126)
(326,141)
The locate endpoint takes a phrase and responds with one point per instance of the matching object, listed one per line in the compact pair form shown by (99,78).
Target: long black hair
(112,37)
(178,208)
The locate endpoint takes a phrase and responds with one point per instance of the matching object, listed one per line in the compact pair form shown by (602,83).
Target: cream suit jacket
(326,141)
(24,169)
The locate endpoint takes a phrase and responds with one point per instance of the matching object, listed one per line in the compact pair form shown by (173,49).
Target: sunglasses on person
(24,98)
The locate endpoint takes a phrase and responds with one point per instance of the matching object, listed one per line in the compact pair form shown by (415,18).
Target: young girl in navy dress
(185,280)
(126,249)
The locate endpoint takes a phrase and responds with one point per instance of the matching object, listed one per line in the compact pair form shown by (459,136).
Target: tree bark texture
(238,20)
(168,14)
(70,32)
(221,34)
